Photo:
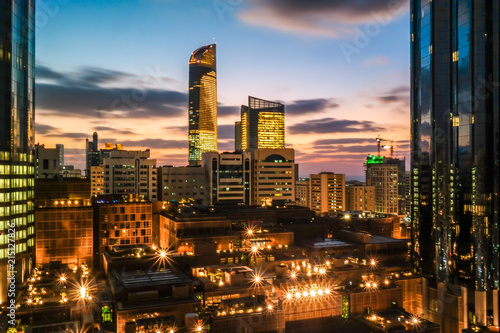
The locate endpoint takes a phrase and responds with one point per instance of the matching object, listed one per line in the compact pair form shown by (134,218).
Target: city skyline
(342,84)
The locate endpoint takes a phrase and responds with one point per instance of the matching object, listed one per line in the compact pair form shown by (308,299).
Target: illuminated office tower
(17,130)
(262,124)
(455,124)
(202,103)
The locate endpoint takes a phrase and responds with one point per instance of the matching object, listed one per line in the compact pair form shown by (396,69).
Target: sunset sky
(121,69)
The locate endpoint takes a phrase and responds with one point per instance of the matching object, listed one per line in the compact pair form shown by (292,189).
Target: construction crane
(379,140)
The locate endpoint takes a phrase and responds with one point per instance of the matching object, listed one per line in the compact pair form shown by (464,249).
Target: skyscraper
(202,103)
(455,154)
(262,124)
(17,130)
(93,155)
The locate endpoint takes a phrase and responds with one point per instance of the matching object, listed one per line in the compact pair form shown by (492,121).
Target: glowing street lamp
(83,293)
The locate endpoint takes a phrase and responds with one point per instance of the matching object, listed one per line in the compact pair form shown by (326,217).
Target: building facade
(64,232)
(182,184)
(96,180)
(121,223)
(388,176)
(302,194)
(202,103)
(93,155)
(262,125)
(228,177)
(360,198)
(17,131)
(130,172)
(455,154)
(48,161)
(273,175)
(327,193)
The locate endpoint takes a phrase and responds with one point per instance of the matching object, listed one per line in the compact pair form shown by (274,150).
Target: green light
(371,159)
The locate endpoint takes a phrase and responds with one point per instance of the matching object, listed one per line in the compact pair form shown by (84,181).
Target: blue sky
(121,69)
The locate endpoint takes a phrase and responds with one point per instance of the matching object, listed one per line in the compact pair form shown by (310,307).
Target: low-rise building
(302,195)
(117,222)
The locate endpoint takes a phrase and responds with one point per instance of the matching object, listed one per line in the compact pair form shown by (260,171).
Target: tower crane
(379,140)
(391,146)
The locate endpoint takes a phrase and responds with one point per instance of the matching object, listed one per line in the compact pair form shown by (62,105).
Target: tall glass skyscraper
(262,124)
(455,149)
(202,103)
(17,130)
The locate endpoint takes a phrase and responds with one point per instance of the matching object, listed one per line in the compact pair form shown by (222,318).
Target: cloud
(329,142)
(68,135)
(84,96)
(114,130)
(296,107)
(228,111)
(54,132)
(321,18)
(396,95)
(154,144)
(304,106)
(44,129)
(332,125)
(225,132)
(376,61)
(356,149)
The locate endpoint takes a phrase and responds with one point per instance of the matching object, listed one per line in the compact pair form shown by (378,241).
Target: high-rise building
(455,125)
(360,198)
(202,103)
(407,192)
(181,184)
(237,137)
(388,176)
(17,131)
(228,177)
(262,124)
(93,155)
(327,193)
(130,172)
(273,176)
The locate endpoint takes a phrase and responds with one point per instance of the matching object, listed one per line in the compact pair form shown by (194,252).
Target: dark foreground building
(455,159)
(17,131)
